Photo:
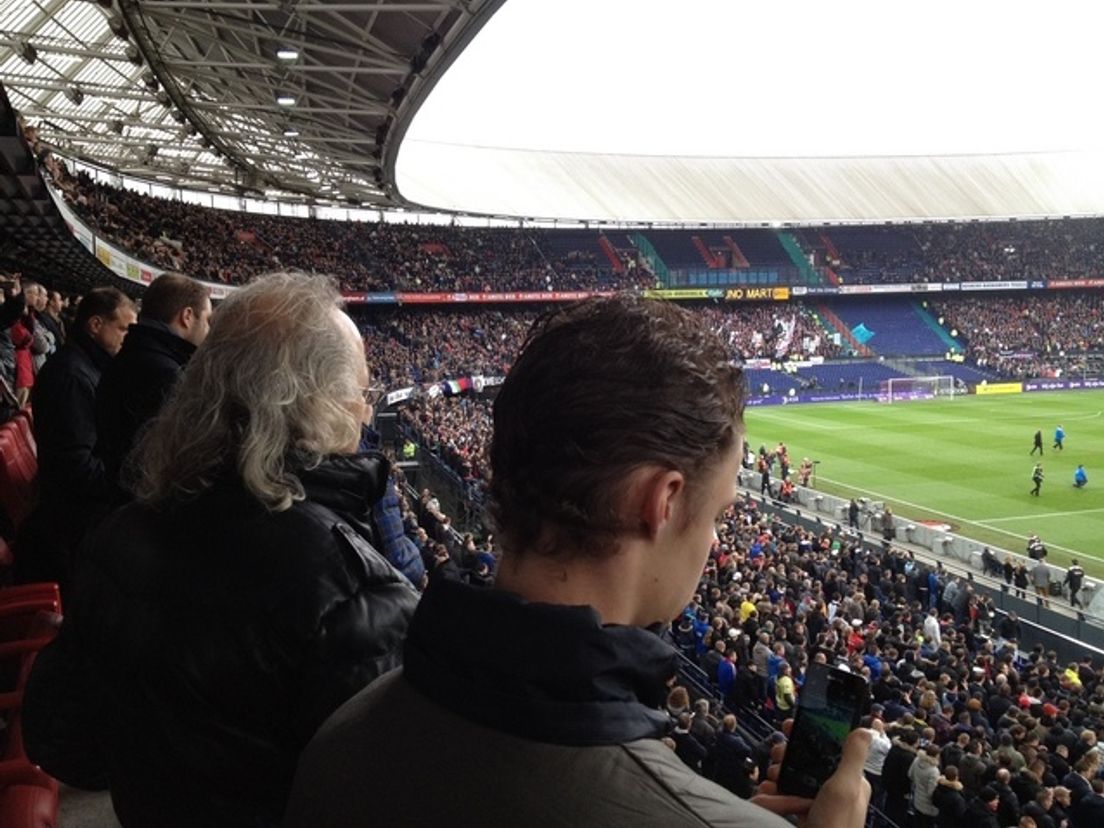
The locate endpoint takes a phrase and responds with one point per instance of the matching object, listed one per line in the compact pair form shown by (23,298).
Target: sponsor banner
(685,293)
(999,388)
(1036,284)
(1019,285)
(1066,284)
(858,290)
(753,294)
(513,296)
(926,287)
(1062,385)
(112,258)
(797,399)
(370,298)
(83,235)
(951,286)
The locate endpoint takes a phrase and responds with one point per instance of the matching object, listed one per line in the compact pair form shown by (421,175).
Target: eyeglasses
(374,393)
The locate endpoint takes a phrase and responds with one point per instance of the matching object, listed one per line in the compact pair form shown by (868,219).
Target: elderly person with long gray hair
(218,620)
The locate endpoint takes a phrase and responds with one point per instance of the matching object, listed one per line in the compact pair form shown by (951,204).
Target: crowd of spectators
(230,247)
(956,704)
(1067,249)
(458,430)
(770,331)
(974,252)
(409,347)
(1027,336)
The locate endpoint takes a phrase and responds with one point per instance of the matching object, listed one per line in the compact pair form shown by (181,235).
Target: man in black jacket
(74,491)
(1089,812)
(895,775)
(174,320)
(981,812)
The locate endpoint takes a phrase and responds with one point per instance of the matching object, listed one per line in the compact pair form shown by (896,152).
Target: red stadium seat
(28,797)
(24,423)
(18,470)
(29,617)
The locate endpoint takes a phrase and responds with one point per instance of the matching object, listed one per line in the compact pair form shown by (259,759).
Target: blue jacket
(726,676)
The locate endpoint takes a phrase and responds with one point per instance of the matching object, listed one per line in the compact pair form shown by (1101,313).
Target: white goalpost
(904,389)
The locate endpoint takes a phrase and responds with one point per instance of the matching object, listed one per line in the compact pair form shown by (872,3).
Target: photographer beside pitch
(539,702)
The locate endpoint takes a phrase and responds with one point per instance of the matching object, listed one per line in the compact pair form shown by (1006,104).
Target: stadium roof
(292,98)
(804,112)
(619,110)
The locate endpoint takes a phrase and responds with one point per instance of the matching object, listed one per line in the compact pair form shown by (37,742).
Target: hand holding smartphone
(832,703)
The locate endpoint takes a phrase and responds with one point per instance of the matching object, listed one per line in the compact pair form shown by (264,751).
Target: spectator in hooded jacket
(948,799)
(924,775)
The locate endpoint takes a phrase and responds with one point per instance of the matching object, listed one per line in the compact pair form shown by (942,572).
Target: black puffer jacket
(205,645)
(134,386)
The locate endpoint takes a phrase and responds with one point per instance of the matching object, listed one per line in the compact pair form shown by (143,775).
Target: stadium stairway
(712,261)
(738,258)
(833,324)
(797,256)
(933,323)
(611,254)
(652,257)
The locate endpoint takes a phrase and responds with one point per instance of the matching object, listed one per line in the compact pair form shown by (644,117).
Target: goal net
(903,389)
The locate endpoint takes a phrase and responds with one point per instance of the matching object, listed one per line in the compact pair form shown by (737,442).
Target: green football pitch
(962,461)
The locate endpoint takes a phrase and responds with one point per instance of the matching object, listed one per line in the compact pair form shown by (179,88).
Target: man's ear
(660,497)
(187,317)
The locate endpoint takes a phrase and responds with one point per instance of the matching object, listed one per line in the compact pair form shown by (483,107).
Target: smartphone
(832,703)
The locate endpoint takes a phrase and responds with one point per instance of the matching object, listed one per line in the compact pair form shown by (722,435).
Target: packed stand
(974,252)
(410,347)
(1029,336)
(768,331)
(231,247)
(457,430)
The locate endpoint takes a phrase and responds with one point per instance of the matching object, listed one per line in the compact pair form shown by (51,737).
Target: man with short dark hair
(173,321)
(617,440)
(74,490)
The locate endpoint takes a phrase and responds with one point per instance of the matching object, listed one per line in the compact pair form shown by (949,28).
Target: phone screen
(831,704)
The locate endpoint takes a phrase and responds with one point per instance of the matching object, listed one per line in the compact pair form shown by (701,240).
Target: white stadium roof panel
(737,112)
(620,110)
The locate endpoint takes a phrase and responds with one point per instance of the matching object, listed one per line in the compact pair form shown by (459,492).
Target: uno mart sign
(756,294)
